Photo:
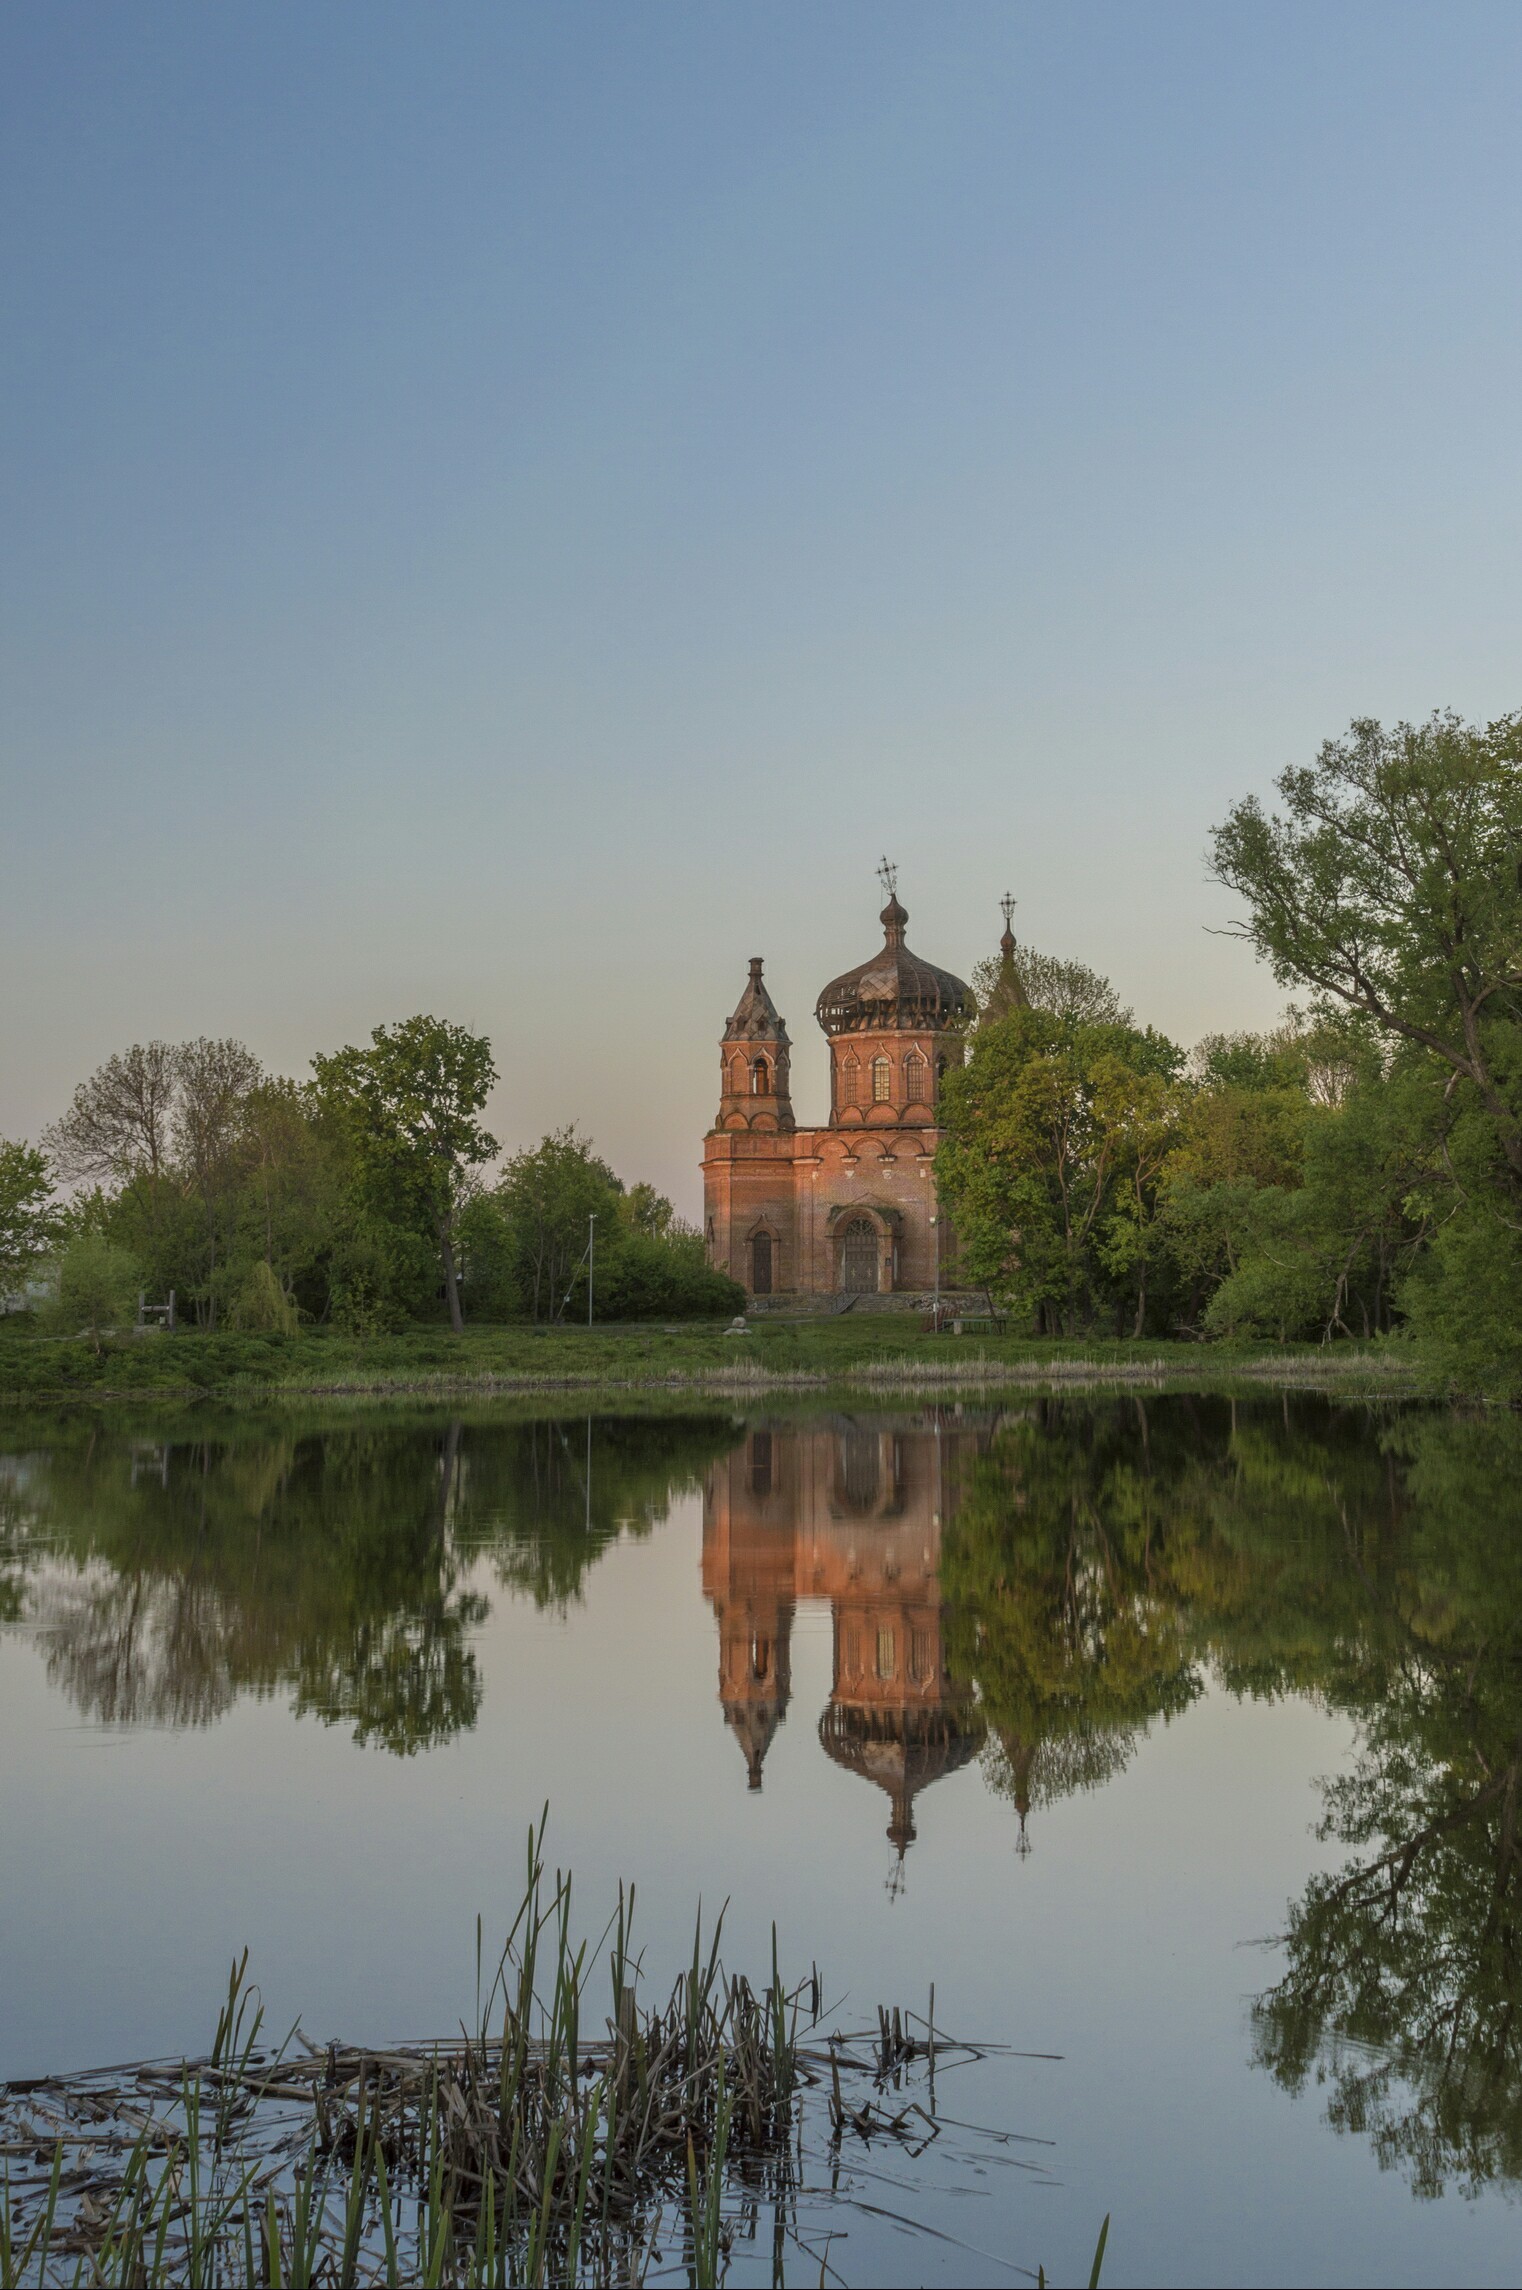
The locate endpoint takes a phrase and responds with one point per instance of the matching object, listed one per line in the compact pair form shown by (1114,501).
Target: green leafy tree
(546,1200)
(97,1288)
(1242,1131)
(1054,1140)
(1391,885)
(214,1084)
(28,1217)
(1327,1256)
(409,1105)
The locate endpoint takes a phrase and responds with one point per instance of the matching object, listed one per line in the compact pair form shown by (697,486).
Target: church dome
(895,988)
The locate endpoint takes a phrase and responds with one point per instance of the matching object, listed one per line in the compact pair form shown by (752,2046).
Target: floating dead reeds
(534,2148)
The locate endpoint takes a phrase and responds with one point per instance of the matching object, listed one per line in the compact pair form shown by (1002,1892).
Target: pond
(1178,1738)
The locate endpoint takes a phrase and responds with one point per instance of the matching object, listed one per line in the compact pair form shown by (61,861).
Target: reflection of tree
(1403,1981)
(1060,1603)
(547,1498)
(18,1533)
(1104,1556)
(331,1564)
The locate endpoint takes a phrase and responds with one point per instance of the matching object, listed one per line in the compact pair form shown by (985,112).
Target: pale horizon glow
(510,512)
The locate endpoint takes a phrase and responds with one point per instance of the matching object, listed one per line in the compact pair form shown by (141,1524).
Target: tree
(1392,886)
(214,1081)
(118,1122)
(97,1288)
(1054,1137)
(644,1210)
(547,1198)
(27,1215)
(408,1105)
(118,1129)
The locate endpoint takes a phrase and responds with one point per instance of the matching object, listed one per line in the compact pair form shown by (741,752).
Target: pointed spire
(755,1015)
(1008,991)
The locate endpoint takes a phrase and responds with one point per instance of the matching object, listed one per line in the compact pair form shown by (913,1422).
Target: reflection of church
(850,1511)
(850,1206)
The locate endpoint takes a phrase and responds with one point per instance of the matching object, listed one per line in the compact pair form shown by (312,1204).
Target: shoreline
(1356,1378)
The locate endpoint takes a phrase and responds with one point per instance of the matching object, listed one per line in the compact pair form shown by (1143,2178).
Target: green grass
(879,1351)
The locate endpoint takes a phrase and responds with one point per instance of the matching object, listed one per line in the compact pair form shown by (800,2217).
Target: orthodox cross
(1007,906)
(887,875)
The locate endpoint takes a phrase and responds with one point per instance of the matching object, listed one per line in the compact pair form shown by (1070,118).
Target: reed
(535,2148)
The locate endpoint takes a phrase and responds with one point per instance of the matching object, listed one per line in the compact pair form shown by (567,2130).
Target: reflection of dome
(903,1751)
(895,988)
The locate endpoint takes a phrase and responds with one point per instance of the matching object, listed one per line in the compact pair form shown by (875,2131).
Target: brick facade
(811,1212)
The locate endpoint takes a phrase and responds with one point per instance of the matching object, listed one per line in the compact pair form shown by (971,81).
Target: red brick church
(852,1206)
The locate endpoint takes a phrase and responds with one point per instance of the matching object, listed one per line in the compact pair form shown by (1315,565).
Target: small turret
(1009,987)
(755,1088)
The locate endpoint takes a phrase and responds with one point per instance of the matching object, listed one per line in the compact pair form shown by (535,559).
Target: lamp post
(935,1227)
(591,1260)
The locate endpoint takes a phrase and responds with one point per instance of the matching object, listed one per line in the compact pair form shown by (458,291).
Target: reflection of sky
(137,1862)
(510,510)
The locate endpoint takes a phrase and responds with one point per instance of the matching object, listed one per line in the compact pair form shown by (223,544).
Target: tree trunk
(451,1283)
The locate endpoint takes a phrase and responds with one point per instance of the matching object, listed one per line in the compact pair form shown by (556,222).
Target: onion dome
(895,989)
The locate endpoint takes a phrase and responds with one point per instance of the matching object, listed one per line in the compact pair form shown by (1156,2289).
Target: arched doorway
(761,1264)
(858,1258)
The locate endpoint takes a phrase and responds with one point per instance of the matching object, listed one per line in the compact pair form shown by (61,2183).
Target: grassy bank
(877,1353)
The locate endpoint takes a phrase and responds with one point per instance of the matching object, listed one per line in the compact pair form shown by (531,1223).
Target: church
(849,1208)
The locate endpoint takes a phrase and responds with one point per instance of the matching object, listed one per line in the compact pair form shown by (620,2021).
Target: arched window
(850,1079)
(914,1078)
(761,1264)
(882,1080)
(760,1078)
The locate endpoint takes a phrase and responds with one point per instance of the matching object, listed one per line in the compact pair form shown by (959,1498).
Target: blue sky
(510,510)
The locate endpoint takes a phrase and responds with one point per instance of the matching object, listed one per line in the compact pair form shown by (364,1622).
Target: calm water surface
(1176,1736)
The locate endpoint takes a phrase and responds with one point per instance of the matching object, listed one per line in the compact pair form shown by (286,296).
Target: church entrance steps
(831,1306)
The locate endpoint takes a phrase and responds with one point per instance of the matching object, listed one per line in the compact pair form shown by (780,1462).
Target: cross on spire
(887,875)
(1007,906)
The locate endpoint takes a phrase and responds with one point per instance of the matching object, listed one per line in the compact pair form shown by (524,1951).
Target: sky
(510,511)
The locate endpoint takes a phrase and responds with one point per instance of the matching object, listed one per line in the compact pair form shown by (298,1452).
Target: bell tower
(755,1087)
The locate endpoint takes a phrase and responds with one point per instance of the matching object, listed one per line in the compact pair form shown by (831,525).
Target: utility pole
(935,1227)
(591,1260)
